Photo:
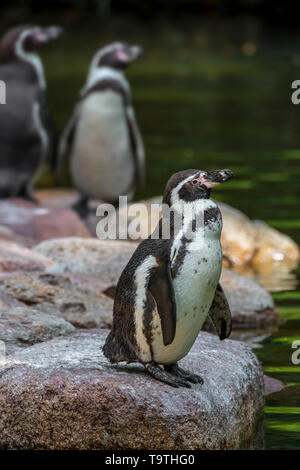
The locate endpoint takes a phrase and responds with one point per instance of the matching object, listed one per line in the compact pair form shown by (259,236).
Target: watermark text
(2,92)
(296,354)
(157,221)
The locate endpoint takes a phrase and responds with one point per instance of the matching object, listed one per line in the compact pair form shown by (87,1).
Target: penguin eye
(195,182)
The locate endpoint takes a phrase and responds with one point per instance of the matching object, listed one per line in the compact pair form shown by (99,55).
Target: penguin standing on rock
(171,283)
(27,133)
(106,148)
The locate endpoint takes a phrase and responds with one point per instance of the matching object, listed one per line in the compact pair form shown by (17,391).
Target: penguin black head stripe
(190,185)
(118,55)
(170,285)
(103,136)
(27,133)
(25,39)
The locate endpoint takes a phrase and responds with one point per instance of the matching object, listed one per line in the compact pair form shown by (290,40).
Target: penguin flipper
(160,286)
(66,142)
(49,126)
(220,313)
(137,144)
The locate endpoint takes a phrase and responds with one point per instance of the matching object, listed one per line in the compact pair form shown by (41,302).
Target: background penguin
(26,131)
(107,152)
(171,284)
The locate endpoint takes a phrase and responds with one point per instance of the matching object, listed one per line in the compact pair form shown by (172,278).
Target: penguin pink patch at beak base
(39,36)
(207,184)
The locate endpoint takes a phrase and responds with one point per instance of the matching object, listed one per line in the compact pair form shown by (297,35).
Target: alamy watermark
(296,354)
(2,92)
(2,353)
(295,96)
(158,221)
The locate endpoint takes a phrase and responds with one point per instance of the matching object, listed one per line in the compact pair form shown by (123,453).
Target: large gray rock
(62,198)
(63,394)
(250,304)
(60,297)
(273,250)
(21,327)
(245,243)
(14,258)
(100,262)
(237,238)
(9,235)
(97,265)
(35,222)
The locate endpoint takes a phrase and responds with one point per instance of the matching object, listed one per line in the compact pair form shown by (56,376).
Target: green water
(203,102)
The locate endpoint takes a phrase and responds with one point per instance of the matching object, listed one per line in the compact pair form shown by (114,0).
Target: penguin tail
(116,350)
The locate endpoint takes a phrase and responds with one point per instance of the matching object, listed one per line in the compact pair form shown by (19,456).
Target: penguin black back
(171,283)
(102,136)
(26,133)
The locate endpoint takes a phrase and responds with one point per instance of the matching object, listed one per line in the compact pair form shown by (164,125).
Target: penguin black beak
(211,179)
(52,32)
(136,52)
(40,36)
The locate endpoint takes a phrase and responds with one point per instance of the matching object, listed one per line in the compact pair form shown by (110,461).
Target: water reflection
(276,280)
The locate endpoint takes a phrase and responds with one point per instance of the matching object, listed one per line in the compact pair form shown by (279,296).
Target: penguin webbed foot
(26,193)
(177,371)
(30,198)
(81,207)
(164,376)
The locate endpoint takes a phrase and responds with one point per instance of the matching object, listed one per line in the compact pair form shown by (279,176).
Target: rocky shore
(57,391)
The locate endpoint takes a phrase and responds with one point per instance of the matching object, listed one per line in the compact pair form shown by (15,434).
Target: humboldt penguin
(171,282)
(103,139)
(27,133)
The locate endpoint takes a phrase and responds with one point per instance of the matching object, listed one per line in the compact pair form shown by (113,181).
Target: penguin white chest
(102,162)
(195,286)
(197,268)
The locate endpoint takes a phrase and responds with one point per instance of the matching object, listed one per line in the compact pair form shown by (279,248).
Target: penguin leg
(164,376)
(81,206)
(27,192)
(177,371)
